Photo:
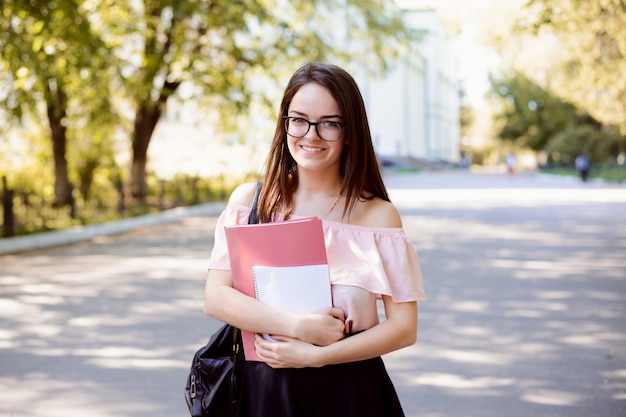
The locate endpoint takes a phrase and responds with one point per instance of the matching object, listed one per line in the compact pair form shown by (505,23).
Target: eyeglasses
(327,130)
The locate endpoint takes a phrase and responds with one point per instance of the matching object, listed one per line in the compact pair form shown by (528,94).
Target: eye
(331,125)
(299,121)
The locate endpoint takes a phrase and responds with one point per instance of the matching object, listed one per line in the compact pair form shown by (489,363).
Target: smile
(311,148)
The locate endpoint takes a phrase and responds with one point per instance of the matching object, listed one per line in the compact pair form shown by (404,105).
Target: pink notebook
(291,243)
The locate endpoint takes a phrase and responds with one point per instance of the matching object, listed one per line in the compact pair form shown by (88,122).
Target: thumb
(338,313)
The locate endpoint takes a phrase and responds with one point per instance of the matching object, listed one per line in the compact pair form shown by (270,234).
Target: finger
(338,313)
(283,338)
(279,338)
(262,342)
(261,350)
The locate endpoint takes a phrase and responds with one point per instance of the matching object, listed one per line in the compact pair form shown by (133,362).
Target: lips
(311,148)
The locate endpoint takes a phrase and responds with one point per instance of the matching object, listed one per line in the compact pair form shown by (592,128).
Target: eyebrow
(330,116)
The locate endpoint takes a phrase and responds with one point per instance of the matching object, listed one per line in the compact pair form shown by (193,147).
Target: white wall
(395,108)
(414,111)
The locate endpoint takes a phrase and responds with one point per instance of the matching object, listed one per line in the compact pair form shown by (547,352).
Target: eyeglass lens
(327,130)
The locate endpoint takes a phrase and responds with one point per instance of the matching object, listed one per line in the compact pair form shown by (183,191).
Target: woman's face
(314,103)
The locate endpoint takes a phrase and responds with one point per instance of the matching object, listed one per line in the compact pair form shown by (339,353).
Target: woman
(322,163)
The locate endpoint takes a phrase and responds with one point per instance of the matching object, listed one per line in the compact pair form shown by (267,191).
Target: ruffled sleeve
(232,214)
(380,260)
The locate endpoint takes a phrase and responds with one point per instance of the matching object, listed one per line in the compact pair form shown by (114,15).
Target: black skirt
(360,388)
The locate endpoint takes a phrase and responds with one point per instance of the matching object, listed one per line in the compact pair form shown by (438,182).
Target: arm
(398,331)
(226,304)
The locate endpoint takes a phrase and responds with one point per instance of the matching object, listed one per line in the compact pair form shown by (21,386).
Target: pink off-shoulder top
(365,263)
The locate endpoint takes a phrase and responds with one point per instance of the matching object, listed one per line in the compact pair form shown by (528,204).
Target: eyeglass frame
(286,119)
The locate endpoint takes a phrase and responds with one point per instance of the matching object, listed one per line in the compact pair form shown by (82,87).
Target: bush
(599,146)
(33,196)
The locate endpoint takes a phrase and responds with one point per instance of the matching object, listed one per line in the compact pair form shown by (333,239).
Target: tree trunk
(85,174)
(7,205)
(146,119)
(56,109)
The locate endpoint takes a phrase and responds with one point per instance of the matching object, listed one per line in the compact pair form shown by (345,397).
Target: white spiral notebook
(296,289)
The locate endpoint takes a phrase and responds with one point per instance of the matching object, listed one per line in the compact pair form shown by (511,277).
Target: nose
(312,133)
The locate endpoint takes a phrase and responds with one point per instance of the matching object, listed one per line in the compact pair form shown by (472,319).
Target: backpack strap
(254,216)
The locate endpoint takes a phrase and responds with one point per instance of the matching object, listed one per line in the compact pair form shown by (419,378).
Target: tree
(88,61)
(220,45)
(531,117)
(593,64)
(528,114)
(50,52)
(584,139)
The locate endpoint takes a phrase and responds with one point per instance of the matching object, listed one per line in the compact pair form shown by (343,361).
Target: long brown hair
(359,170)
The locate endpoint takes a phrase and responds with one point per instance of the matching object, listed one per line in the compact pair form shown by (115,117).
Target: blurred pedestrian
(510,163)
(582,165)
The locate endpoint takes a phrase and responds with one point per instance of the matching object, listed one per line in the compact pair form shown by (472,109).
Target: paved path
(526,278)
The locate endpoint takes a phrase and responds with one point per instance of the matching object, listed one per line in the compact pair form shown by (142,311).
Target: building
(414,111)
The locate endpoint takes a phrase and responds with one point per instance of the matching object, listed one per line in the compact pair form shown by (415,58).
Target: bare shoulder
(379,213)
(243,194)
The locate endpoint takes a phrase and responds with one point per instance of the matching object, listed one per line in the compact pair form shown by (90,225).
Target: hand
(322,327)
(286,352)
